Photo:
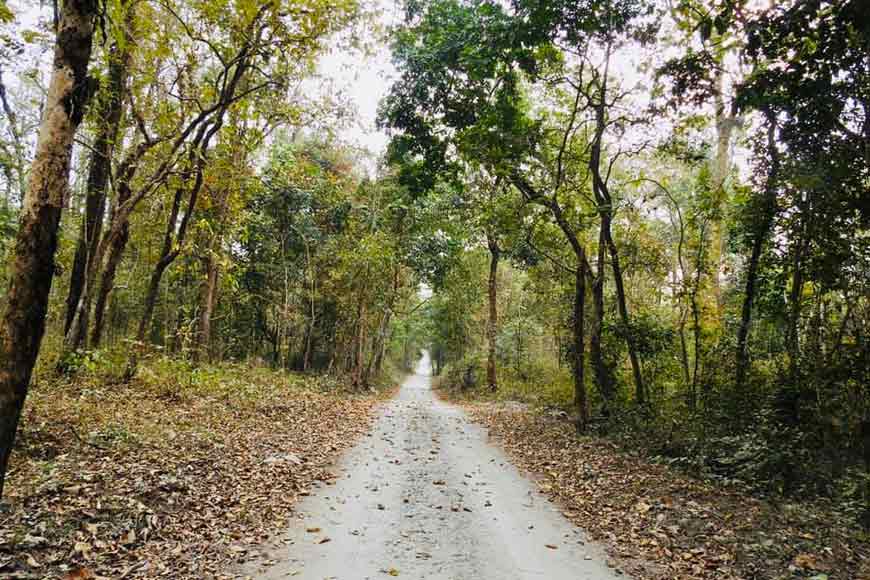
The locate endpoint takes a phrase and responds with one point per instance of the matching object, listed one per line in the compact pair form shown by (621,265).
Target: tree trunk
(721,167)
(116,240)
(577,326)
(603,378)
(381,351)
(309,331)
(762,229)
(696,317)
(374,362)
(172,241)
(492,321)
(111,108)
(622,306)
(306,356)
(206,309)
(31,267)
(605,211)
(107,284)
(788,398)
(359,345)
(580,402)
(163,262)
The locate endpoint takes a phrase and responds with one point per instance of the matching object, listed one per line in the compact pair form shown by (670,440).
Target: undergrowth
(750,448)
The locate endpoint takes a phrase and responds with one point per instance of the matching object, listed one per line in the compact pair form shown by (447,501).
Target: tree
(486,117)
(32,269)
(110,101)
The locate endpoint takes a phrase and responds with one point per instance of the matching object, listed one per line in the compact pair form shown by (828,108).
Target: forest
(642,223)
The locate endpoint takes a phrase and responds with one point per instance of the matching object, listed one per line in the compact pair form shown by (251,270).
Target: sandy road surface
(426,497)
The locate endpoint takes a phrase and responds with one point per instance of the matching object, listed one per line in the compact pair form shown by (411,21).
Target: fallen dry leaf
(661,524)
(145,504)
(79,574)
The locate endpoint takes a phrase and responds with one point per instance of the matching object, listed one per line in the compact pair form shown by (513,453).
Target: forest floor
(661,523)
(177,474)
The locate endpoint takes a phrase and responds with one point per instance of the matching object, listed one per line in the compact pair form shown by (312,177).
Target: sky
(357,77)
(363,80)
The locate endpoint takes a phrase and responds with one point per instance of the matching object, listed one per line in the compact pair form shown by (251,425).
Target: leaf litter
(167,480)
(661,524)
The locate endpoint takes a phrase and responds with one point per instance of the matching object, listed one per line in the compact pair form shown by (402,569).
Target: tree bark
(111,108)
(622,307)
(381,345)
(31,268)
(312,319)
(605,211)
(602,375)
(172,241)
(789,395)
(492,320)
(206,309)
(762,229)
(532,195)
(580,402)
(197,159)
(113,244)
(359,345)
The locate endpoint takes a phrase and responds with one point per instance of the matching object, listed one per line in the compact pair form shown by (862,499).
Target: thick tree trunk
(580,402)
(762,229)
(111,108)
(492,321)
(31,268)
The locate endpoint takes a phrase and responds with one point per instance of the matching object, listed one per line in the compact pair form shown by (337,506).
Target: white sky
(363,78)
(360,77)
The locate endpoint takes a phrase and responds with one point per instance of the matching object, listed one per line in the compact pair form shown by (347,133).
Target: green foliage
(493,103)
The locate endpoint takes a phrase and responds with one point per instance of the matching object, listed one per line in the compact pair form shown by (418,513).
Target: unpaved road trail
(426,497)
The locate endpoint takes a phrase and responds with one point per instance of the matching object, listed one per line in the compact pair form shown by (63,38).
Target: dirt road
(426,497)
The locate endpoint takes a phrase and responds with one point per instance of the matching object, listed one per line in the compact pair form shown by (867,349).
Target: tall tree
(32,266)
(110,109)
